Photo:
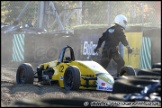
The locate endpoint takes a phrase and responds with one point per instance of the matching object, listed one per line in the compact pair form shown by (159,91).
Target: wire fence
(66,14)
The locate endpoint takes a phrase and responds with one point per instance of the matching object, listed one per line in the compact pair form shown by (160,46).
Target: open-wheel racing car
(70,74)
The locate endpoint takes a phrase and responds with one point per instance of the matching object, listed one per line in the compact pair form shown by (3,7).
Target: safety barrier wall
(47,47)
(35,48)
(6,48)
(38,48)
(89,39)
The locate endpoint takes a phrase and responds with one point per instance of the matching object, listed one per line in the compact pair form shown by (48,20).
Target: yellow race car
(70,74)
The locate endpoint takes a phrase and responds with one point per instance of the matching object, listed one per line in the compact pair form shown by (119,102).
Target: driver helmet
(121,20)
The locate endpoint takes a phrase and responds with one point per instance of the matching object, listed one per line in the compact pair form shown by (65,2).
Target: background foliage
(143,13)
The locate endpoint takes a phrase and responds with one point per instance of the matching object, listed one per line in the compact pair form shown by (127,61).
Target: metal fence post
(40,14)
(109,13)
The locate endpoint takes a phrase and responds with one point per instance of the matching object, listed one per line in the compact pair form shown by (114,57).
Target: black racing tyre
(25,74)
(157,70)
(154,94)
(156,65)
(131,85)
(150,72)
(144,77)
(72,78)
(127,71)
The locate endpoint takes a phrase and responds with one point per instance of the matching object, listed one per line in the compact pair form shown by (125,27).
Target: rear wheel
(72,78)
(25,74)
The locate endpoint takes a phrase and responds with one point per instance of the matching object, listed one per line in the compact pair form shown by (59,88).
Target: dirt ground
(10,91)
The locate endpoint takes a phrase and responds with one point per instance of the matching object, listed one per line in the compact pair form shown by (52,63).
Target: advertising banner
(135,41)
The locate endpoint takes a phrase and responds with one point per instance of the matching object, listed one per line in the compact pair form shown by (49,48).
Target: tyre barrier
(144,77)
(150,72)
(131,85)
(143,89)
(156,65)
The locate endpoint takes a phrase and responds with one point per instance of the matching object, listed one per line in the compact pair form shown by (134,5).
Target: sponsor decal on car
(105,88)
(103,84)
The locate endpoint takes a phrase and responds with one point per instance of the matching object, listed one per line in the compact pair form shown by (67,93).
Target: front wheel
(25,74)
(72,78)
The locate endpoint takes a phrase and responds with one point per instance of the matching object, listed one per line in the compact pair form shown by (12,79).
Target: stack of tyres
(155,71)
(146,86)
